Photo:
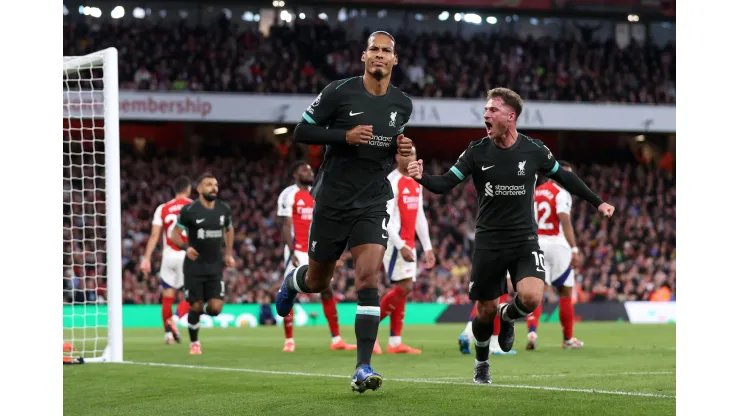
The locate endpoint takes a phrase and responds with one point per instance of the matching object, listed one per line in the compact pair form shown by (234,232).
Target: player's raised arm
(440,184)
(571,182)
(156,234)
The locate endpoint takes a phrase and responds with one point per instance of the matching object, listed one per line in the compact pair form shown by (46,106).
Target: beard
(305,182)
(377,73)
(209,197)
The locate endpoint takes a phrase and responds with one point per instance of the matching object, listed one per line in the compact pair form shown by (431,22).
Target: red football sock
(288,325)
(496,326)
(167,302)
(566,317)
(496,320)
(533,319)
(389,301)
(331,314)
(183,308)
(397,317)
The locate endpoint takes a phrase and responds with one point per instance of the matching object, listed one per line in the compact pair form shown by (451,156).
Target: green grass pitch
(624,369)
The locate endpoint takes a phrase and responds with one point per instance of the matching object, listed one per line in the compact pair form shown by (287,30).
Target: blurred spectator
(304,58)
(630,257)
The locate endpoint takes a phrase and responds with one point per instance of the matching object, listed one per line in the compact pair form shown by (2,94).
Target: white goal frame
(113,352)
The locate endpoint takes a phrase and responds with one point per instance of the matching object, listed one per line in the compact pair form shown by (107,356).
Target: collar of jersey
(510,148)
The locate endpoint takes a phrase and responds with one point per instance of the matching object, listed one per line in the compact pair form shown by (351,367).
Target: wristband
(574,249)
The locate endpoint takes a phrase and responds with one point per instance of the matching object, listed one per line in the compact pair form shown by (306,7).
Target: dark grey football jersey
(505,179)
(350,176)
(205,229)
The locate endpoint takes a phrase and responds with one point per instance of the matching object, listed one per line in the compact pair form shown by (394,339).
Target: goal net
(92,310)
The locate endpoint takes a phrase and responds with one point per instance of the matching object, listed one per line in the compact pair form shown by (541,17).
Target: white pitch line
(631,373)
(407,380)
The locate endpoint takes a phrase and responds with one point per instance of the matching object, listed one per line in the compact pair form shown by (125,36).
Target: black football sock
(515,310)
(482,333)
(367,320)
(298,282)
(193,325)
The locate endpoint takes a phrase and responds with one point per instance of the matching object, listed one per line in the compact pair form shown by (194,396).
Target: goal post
(93,298)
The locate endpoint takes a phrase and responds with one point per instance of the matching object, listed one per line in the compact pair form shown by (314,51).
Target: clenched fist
(416,168)
(606,209)
(359,135)
(405,145)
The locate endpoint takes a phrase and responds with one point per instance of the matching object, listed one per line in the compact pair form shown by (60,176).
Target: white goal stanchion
(92,309)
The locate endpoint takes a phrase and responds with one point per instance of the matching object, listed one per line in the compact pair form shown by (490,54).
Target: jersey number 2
(170,219)
(542,223)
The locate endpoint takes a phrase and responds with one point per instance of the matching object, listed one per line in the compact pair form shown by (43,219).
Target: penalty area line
(406,380)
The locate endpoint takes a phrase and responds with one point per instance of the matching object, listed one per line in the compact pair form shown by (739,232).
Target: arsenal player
(407,220)
(170,272)
(552,206)
(295,208)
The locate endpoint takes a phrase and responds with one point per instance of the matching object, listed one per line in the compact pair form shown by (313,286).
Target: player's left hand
(146,266)
(229,260)
(429,259)
(405,145)
(606,209)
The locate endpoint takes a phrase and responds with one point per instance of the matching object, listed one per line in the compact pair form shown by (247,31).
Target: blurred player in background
(407,220)
(552,206)
(295,208)
(360,120)
(170,271)
(208,223)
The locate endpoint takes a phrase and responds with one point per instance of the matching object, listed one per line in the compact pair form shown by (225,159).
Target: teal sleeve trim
(182,226)
(554,168)
(457,173)
(345,81)
(401,129)
(308,118)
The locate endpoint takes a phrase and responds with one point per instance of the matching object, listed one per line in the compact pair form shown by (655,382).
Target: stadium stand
(629,260)
(304,58)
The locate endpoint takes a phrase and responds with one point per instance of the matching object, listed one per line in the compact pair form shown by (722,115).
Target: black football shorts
(332,230)
(488,277)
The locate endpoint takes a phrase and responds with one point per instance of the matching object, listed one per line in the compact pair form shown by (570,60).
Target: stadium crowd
(629,258)
(306,57)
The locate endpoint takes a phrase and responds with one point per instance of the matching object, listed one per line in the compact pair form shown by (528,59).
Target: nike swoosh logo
(486,167)
(385,235)
(351,114)
(199,221)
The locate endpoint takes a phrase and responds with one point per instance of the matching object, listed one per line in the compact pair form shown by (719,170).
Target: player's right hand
(146,266)
(359,135)
(606,209)
(192,254)
(407,254)
(294,260)
(575,259)
(416,168)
